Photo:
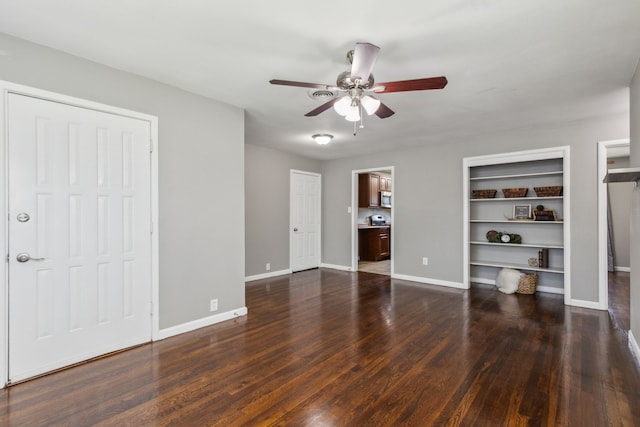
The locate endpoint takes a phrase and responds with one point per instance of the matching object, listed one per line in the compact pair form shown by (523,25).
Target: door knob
(23,217)
(295,229)
(24,257)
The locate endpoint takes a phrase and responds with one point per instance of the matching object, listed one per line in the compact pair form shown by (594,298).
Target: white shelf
(515,221)
(517,266)
(521,245)
(623,175)
(516,199)
(522,175)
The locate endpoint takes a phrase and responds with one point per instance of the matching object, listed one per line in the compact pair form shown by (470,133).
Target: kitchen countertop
(365,226)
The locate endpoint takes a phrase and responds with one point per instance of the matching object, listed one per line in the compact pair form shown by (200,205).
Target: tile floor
(376,267)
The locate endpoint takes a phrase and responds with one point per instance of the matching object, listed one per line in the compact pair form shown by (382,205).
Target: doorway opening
(613,225)
(372,220)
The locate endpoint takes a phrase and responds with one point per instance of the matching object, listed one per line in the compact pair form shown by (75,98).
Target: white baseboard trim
(586,304)
(546,289)
(633,344)
(336,267)
(429,281)
(200,323)
(550,290)
(482,281)
(267,275)
(622,269)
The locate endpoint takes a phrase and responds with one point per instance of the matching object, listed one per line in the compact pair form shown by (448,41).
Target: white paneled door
(305,220)
(79,234)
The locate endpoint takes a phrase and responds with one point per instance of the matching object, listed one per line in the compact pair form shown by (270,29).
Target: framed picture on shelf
(521,211)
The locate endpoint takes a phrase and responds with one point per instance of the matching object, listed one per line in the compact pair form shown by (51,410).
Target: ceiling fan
(358,82)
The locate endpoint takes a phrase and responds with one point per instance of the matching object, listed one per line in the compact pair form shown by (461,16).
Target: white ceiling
(510,64)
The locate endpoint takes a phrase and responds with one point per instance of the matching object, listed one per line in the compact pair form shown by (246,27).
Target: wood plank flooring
(619,299)
(331,348)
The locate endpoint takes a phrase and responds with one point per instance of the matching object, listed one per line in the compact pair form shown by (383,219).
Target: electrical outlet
(267,266)
(348,209)
(213,304)
(425,261)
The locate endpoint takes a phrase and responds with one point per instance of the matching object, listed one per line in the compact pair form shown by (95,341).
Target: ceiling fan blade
(300,84)
(364,58)
(417,84)
(383,111)
(322,108)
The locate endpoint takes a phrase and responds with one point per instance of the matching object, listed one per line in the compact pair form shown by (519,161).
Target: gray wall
(428,199)
(620,202)
(635,207)
(267,174)
(201,173)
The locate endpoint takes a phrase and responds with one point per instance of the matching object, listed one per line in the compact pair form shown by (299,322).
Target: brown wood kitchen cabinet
(368,190)
(385,183)
(369,187)
(374,243)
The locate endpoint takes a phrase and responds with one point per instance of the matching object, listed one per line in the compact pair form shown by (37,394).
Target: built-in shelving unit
(527,169)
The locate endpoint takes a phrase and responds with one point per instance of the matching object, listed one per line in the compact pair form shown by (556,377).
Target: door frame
(5,89)
(603,276)
(291,201)
(354,214)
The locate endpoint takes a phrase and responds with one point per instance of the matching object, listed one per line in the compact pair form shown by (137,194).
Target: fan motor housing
(344,81)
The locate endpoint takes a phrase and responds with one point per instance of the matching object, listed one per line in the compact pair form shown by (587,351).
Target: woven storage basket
(483,194)
(510,193)
(527,284)
(552,191)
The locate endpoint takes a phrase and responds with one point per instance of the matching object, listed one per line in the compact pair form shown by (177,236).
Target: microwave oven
(385,199)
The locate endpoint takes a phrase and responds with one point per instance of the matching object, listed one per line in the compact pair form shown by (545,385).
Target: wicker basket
(552,191)
(510,193)
(483,194)
(544,215)
(527,284)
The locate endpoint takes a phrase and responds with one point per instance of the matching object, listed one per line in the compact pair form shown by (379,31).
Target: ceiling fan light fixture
(343,105)
(322,138)
(353,115)
(370,104)
(349,97)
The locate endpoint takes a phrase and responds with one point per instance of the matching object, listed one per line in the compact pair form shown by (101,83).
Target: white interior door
(305,220)
(79,234)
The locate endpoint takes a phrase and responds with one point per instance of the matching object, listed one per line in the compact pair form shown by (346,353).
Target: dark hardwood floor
(331,348)
(619,300)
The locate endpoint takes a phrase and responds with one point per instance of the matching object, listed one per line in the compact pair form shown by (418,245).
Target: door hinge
(151,145)
(7,258)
